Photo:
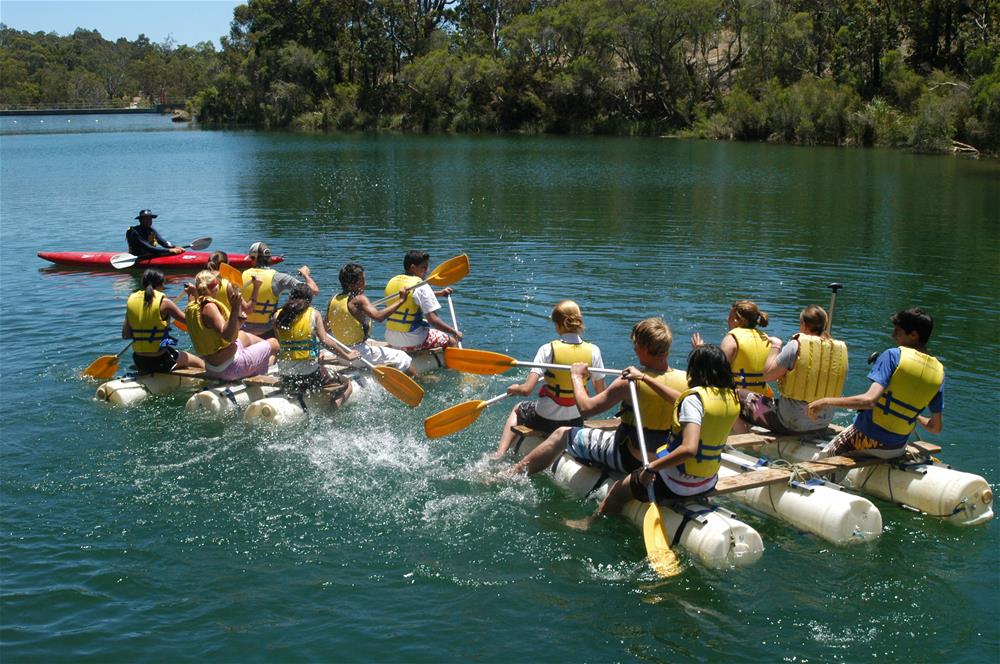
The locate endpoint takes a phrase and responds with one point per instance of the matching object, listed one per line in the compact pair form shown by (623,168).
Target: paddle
(122,261)
(488,363)
(834,287)
(447,273)
(395,382)
(454,321)
(105,366)
(456,418)
(231,274)
(662,558)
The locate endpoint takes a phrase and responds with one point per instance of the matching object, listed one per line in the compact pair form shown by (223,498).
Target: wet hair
(350,274)
(299,300)
(203,281)
(814,318)
(654,335)
(216,259)
(748,315)
(414,257)
(567,317)
(916,320)
(708,366)
(152,280)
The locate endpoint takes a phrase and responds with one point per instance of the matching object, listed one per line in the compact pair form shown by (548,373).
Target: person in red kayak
(143,240)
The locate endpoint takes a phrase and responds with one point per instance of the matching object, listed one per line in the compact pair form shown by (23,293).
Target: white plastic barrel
(274,410)
(224,400)
(130,391)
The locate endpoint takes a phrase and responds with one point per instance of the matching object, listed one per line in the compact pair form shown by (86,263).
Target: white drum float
(130,390)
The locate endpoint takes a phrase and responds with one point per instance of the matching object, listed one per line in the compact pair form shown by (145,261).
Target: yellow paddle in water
(447,273)
(456,418)
(105,366)
(395,382)
(662,558)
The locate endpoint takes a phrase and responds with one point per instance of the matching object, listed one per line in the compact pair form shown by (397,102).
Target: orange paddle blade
(180,325)
(231,274)
(662,558)
(449,272)
(474,361)
(399,385)
(103,367)
(453,419)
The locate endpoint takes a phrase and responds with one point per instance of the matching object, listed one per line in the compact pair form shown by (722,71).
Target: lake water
(146,535)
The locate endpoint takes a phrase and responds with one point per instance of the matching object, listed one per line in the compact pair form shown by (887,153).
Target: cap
(259,250)
(146,213)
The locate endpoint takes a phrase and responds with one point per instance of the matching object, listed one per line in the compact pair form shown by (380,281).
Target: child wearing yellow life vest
(350,314)
(555,406)
(905,381)
(299,328)
(147,323)
(746,347)
(810,366)
(618,451)
(688,464)
(262,287)
(415,325)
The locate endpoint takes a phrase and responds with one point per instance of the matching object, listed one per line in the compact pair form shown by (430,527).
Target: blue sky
(187,21)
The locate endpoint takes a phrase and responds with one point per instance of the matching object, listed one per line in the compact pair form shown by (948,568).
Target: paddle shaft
(499,397)
(454,321)
(128,260)
(409,289)
(564,367)
(834,287)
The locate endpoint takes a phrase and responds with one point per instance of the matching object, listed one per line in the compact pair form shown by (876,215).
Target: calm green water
(144,535)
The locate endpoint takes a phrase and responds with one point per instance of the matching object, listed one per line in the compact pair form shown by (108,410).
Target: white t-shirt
(427,301)
(692,411)
(548,408)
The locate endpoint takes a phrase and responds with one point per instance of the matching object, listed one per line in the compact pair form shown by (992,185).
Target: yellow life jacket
(298,342)
(820,369)
(912,386)
(408,317)
(752,349)
(342,323)
(149,329)
(657,413)
(267,301)
(558,382)
(721,410)
(205,340)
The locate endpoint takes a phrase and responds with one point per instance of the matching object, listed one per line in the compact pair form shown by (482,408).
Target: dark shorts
(161,363)
(323,378)
(529,417)
(660,489)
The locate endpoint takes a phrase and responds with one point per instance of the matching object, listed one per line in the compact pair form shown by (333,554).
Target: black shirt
(146,242)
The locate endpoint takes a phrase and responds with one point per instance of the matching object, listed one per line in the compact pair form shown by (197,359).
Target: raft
(917,481)
(710,533)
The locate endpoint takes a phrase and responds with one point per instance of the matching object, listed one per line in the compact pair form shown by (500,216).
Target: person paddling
(144,241)
(810,366)
(618,451)
(555,406)
(415,325)
(229,353)
(299,328)
(747,348)
(263,296)
(350,314)
(147,323)
(905,381)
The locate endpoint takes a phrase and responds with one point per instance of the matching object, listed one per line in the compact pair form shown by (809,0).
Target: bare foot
(581,524)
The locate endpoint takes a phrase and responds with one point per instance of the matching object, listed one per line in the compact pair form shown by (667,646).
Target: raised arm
(304,271)
(363,304)
(600,402)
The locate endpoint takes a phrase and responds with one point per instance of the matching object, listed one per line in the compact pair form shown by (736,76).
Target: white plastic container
(961,498)
(818,508)
(222,401)
(712,534)
(132,390)
(277,411)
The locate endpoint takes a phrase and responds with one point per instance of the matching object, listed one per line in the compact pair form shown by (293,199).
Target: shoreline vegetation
(915,74)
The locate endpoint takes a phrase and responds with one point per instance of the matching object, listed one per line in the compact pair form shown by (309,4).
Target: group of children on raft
(687,416)
(239,332)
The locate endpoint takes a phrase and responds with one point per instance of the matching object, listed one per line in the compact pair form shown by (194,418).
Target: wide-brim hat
(146,213)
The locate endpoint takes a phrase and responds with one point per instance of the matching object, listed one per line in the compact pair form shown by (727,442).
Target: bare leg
(341,398)
(542,456)
(740,426)
(612,504)
(246,339)
(187,360)
(507,437)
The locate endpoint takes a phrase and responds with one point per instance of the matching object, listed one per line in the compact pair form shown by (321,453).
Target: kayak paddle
(456,418)
(447,273)
(395,382)
(122,261)
(662,558)
(488,363)
(105,366)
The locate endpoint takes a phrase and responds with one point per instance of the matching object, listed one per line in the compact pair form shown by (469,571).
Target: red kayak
(101,260)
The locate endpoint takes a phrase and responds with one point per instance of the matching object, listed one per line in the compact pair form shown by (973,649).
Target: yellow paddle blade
(662,558)
(231,274)
(449,272)
(453,419)
(399,385)
(474,361)
(103,367)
